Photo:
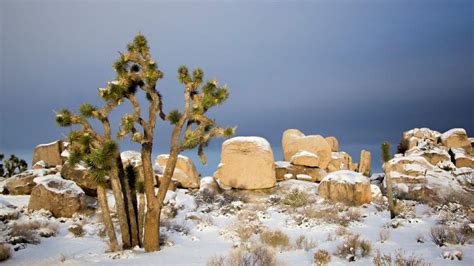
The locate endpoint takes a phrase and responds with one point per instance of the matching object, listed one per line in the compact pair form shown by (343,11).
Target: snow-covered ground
(211,225)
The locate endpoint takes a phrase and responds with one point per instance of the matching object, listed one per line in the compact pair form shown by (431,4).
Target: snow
(258,141)
(282,164)
(302,153)
(346,176)
(65,153)
(133,157)
(304,177)
(451,132)
(47,144)
(288,176)
(65,186)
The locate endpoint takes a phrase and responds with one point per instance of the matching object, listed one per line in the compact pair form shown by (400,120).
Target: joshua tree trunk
(121,208)
(151,239)
(388,181)
(141,217)
(107,219)
(130,203)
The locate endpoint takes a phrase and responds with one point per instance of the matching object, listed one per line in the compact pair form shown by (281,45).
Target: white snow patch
(258,141)
(454,131)
(282,164)
(64,186)
(346,176)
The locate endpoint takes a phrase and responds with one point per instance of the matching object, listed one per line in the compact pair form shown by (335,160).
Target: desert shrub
(412,260)
(458,235)
(229,196)
(5,251)
(256,255)
(245,231)
(464,199)
(354,214)
(341,231)
(322,257)
(439,235)
(205,196)
(353,247)
(328,215)
(216,260)
(296,199)
(77,230)
(169,211)
(399,259)
(247,216)
(303,243)
(25,232)
(275,238)
(384,234)
(175,227)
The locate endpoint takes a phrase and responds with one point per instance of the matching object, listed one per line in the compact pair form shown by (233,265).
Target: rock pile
(315,156)
(432,164)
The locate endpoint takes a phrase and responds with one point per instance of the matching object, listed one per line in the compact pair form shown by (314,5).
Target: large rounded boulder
(61,197)
(346,186)
(185,173)
(246,163)
(22,184)
(294,141)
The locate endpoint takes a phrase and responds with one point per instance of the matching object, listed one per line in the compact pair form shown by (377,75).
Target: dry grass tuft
(276,239)
(296,199)
(303,243)
(353,247)
(77,230)
(399,259)
(5,252)
(242,256)
(322,257)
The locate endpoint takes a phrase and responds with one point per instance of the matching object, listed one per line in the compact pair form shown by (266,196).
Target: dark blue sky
(363,71)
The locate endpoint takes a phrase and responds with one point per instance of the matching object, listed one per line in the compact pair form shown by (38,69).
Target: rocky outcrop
(339,161)
(22,184)
(285,170)
(346,186)
(61,197)
(294,141)
(49,153)
(304,158)
(246,163)
(456,138)
(365,163)
(333,142)
(185,173)
(80,175)
(429,163)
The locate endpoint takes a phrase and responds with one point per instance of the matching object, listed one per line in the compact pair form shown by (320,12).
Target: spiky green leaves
(229,132)
(63,118)
(173,117)
(140,186)
(87,109)
(183,75)
(213,95)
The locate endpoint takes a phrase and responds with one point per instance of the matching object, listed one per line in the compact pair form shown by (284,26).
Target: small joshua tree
(386,156)
(137,70)
(101,155)
(12,166)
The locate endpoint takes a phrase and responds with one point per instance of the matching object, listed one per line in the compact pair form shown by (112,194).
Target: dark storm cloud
(362,71)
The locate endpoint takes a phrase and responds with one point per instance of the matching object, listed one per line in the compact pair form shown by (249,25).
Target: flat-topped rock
(346,186)
(246,163)
(294,141)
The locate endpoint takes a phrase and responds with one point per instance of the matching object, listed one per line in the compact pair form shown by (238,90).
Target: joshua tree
(101,155)
(386,156)
(2,172)
(12,165)
(137,70)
